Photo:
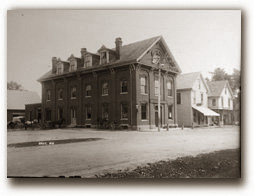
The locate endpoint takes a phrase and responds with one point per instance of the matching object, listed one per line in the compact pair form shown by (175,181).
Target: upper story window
(143,85)
(104,57)
(169,88)
(105,88)
(214,102)
(202,97)
(178,97)
(229,102)
(124,86)
(222,103)
(73,93)
(48,95)
(225,91)
(194,98)
(88,60)
(59,69)
(199,84)
(60,94)
(88,90)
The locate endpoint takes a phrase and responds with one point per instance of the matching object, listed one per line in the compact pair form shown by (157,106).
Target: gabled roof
(186,81)
(216,87)
(17,99)
(132,53)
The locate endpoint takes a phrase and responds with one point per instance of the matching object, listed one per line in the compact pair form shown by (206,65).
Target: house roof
(17,99)
(131,53)
(215,88)
(186,81)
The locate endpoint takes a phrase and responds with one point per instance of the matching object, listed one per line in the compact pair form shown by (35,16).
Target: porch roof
(205,111)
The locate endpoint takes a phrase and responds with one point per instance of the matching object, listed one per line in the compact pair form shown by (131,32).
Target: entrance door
(73,116)
(157,117)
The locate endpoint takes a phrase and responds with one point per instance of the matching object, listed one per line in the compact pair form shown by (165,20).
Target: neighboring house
(118,86)
(16,101)
(192,108)
(220,100)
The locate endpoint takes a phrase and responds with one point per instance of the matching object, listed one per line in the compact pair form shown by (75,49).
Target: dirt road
(115,150)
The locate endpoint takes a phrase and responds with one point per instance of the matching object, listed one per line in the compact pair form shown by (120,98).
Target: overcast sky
(199,40)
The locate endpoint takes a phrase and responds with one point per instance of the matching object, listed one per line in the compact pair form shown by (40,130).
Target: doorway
(157,117)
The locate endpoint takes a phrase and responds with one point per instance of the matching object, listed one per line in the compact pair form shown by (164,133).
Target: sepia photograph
(124,94)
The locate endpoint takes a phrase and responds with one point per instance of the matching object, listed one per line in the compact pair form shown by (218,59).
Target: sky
(200,40)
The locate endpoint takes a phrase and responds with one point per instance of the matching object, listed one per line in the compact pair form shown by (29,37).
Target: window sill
(88,96)
(89,119)
(144,120)
(124,93)
(143,93)
(48,100)
(73,97)
(60,99)
(105,95)
(124,119)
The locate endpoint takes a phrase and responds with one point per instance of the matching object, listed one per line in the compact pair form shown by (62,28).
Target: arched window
(88,90)
(143,85)
(73,93)
(169,88)
(105,88)
(60,94)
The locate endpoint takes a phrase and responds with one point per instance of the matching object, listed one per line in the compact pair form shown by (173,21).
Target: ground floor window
(48,115)
(88,112)
(143,111)
(60,113)
(170,110)
(124,111)
(105,111)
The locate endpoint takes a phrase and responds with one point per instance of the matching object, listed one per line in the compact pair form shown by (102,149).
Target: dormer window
(104,57)
(73,66)
(73,63)
(88,60)
(59,69)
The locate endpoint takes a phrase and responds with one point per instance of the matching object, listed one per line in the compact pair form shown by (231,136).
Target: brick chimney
(54,62)
(118,43)
(83,52)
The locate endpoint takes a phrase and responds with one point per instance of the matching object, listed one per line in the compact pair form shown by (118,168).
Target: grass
(219,164)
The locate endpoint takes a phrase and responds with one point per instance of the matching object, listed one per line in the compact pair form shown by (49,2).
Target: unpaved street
(116,149)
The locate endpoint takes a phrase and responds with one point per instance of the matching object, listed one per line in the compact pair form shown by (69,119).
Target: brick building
(118,85)
(16,101)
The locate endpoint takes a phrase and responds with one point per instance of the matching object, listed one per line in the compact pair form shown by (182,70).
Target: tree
(234,79)
(219,74)
(14,86)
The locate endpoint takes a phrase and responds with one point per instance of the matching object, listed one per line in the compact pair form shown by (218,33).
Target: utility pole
(159,98)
